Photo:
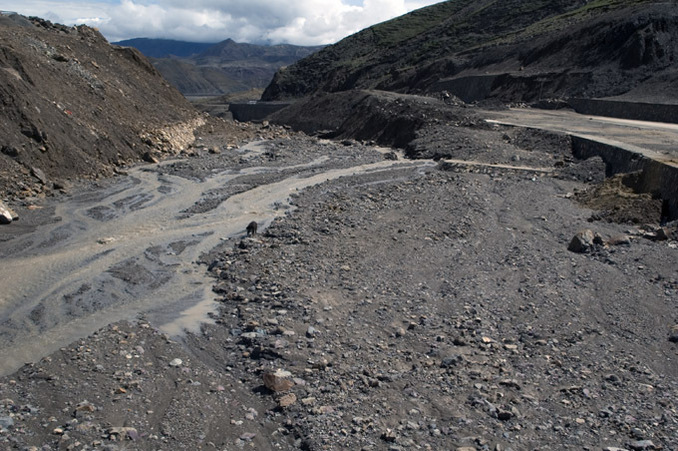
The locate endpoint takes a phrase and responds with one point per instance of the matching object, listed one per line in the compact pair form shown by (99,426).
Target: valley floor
(410,306)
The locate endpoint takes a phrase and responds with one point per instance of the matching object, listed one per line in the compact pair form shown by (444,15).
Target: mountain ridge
(164,48)
(224,67)
(573,47)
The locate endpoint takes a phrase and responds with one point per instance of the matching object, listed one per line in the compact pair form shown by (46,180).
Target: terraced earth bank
(384,304)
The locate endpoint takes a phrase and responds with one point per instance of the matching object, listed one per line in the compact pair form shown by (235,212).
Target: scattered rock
(277,381)
(176,362)
(641,445)
(38,174)
(308,401)
(123,432)
(504,415)
(619,240)
(389,436)
(6,214)
(673,334)
(582,242)
(451,361)
(311,332)
(287,400)
(10,151)
(247,243)
(85,407)
(149,158)
(6,423)
(247,436)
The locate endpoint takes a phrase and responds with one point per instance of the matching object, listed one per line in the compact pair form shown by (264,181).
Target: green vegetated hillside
(514,50)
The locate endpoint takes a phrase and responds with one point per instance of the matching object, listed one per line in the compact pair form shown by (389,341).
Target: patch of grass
(443,30)
(593,8)
(557,22)
(395,31)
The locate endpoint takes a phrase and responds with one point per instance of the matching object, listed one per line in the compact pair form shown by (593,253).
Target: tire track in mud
(127,250)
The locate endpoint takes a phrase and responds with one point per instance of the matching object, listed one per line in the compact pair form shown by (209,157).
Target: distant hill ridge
(512,50)
(220,68)
(165,48)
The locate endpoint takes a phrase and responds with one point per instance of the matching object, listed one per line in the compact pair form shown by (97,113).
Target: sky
(299,22)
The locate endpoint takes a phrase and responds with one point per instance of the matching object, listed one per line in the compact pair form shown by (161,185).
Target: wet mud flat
(406,307)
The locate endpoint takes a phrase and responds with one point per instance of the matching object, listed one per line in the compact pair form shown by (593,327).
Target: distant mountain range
(199,69)
(165,48)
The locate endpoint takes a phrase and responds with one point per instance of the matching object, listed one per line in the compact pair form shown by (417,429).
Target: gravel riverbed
(420,306)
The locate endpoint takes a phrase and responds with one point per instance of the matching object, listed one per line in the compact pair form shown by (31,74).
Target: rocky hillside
(512,50)
(222,68)
(73,105)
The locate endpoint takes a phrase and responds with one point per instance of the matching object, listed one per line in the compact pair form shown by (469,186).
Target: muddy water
(126,251)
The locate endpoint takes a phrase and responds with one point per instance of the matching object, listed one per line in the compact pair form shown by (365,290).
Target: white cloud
(302,22)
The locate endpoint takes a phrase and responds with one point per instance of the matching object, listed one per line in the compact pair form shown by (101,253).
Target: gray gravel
(416,308)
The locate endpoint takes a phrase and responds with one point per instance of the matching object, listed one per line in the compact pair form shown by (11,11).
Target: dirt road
(655,140)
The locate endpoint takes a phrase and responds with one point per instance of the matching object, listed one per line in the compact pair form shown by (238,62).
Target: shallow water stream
(127,250)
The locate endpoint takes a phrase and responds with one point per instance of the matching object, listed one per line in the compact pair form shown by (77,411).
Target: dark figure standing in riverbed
(252,228)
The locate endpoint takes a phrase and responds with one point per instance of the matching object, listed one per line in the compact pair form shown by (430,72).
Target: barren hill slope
(73,105)
(511,50)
